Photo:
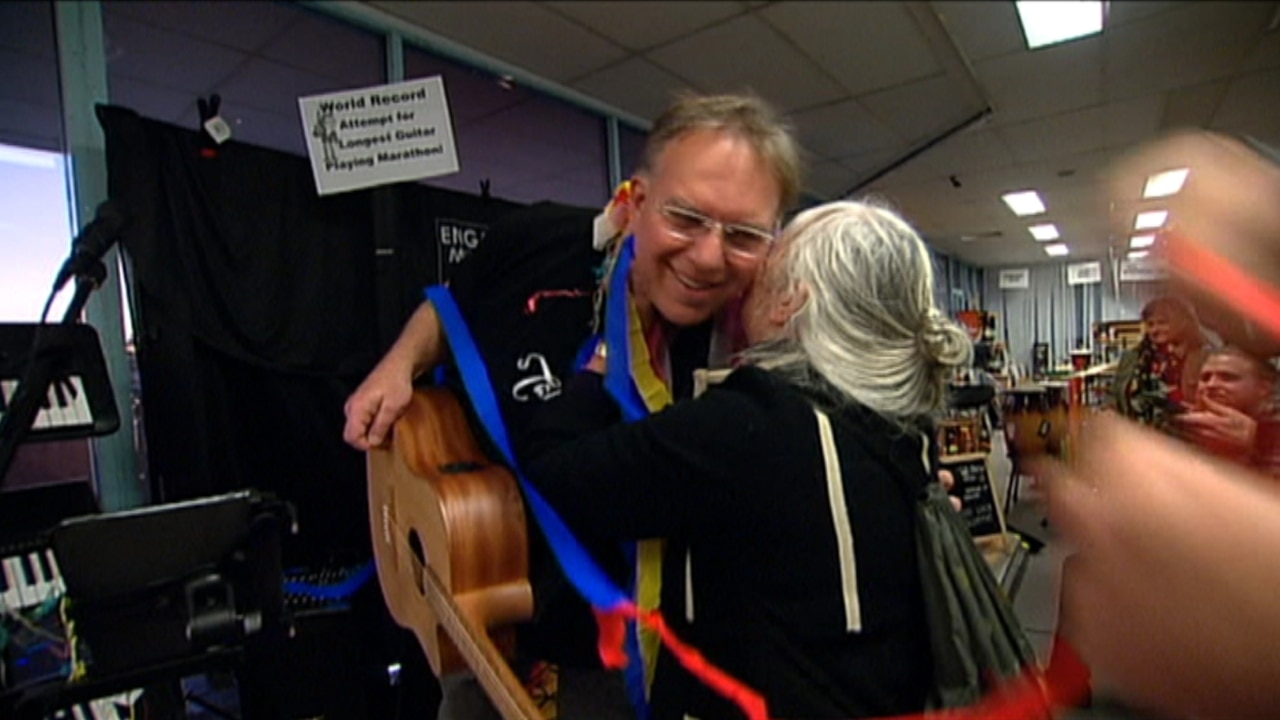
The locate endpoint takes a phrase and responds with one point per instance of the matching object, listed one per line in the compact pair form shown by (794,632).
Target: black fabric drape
(259,307)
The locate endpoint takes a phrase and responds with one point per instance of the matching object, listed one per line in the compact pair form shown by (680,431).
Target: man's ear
(639,192)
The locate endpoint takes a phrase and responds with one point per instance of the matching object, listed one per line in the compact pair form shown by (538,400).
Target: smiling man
(717,174)
(1234,399)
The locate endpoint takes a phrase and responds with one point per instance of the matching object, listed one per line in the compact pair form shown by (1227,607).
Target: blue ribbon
(618,380)
(580,569)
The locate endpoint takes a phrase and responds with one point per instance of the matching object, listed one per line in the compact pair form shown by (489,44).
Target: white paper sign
(379,135)
(1016,279)
(1145,269)
(1085,273)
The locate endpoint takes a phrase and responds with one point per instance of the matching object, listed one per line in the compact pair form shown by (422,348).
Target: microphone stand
(41,370)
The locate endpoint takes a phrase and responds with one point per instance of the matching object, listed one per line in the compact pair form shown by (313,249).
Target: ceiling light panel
(1151,220)
(1023,203)
(1045,232)
(1137,242)
(1165,183)
(1056,250)
(1048,22)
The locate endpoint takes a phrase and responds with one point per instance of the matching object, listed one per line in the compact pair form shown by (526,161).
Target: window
(258,57)
(528,147)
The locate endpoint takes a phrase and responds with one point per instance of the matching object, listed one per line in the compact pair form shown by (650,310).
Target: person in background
(1234,399)
(1156,380)
(717,174)
(786,494)
(1173,601)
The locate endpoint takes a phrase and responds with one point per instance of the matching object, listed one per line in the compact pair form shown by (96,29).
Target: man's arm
(383,396)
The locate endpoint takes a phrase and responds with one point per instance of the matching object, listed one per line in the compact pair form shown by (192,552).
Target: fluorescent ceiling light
(1165,183)
(1048,231)
(1026,202)
(1056,249)
(1137,254)
(1141,241)
(1045,22)
(1151,219)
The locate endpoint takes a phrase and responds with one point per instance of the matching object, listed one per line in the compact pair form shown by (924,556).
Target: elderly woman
(787,492)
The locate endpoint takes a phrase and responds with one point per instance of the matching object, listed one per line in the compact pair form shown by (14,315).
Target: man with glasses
(717,175)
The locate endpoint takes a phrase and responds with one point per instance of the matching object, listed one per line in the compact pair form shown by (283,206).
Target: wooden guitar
(450,545)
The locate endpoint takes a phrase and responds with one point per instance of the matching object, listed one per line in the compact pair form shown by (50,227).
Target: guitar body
(444,517)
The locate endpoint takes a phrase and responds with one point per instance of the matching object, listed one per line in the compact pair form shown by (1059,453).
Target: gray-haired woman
(787,493)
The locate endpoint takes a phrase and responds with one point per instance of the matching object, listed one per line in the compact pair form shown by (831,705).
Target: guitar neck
(500,684)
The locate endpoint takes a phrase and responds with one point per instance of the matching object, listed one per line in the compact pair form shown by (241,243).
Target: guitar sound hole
(420,556)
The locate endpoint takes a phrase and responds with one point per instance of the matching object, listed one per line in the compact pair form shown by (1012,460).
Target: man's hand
(375,406)
(1219,428)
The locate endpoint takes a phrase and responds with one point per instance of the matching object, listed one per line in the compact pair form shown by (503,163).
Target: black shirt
(527,295)
(735,481)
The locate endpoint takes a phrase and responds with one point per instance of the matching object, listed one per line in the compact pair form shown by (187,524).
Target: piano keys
(30,580)
(115,707)
(78,402)
(65,406)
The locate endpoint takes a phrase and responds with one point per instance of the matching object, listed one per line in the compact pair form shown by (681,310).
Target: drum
(1035,419)
(1056,402)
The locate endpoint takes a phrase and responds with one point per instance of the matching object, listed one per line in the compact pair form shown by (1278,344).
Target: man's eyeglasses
(743,241)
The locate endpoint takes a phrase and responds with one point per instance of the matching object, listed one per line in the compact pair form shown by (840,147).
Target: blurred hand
(375,406)
(1219,428)
(948,481)
(1172,595)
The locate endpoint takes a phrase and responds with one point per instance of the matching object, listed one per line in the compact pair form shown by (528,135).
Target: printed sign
(1085,273)
(455,240)
(379,135)
(1015,279)
(1142,270)
(973,487)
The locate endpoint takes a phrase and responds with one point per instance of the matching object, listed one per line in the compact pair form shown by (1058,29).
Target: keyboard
(65,406)
(30,579)
(78,401)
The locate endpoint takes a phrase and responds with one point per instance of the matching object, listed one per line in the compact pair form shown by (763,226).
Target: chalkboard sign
(973,486)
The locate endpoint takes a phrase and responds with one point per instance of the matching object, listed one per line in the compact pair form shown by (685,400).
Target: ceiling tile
(142,52)
(1252,107)
(231,24)
(527,35)
(921,110)
(843,129)
(745,53)
(961,155)
(827,179)
(1193,106)
(895,53)
(1123,12)
(636,86)
(1194,44)
(982,29)
(1266,54)
(309,44)
(1029,84)
(640,25)
(1096,128)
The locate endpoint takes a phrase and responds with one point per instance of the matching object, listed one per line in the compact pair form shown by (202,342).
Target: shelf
(957,459)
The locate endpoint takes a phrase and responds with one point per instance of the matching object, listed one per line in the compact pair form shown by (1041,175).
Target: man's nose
(708,251)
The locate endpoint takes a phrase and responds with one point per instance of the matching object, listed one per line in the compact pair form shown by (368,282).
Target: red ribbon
(1033,695)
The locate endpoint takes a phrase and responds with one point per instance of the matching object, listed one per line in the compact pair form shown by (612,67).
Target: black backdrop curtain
(259,307)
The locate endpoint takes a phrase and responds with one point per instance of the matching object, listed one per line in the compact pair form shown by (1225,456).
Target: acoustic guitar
(450,544)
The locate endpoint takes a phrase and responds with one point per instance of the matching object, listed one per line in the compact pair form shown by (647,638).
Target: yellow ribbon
(656,395)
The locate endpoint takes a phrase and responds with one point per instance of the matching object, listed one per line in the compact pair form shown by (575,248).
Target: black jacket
(735,482)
